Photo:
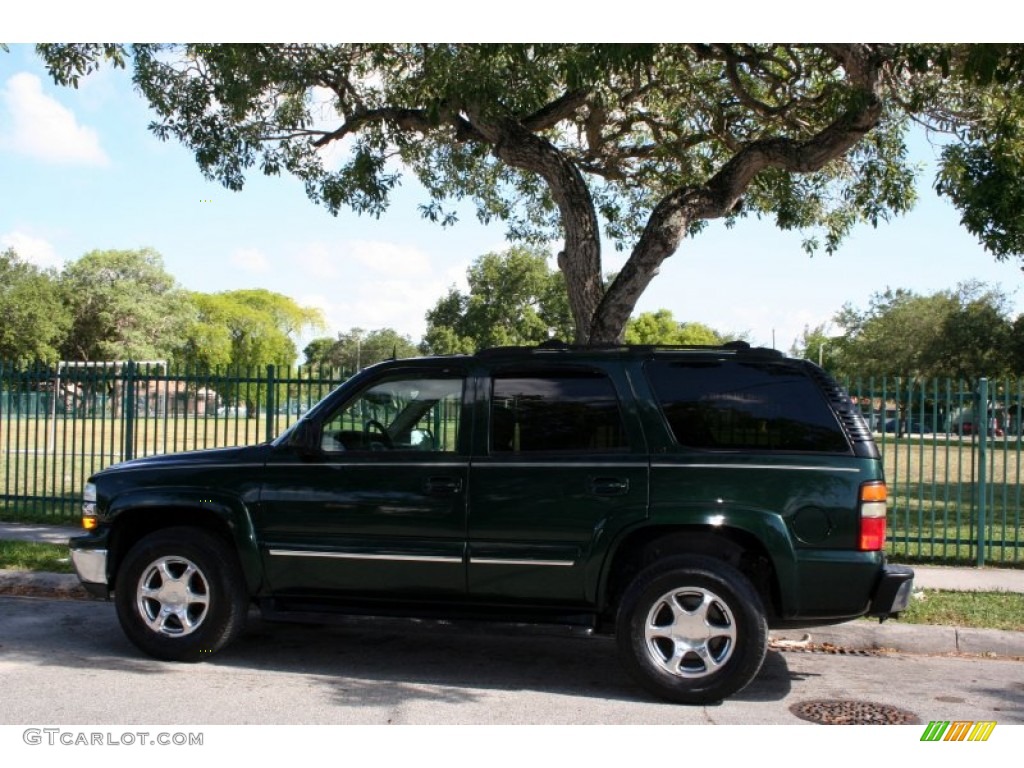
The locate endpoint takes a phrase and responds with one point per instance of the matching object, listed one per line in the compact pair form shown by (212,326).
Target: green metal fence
(952,450)
(952,453)
(59,425)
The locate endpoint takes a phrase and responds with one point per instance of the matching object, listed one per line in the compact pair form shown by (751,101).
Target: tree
(358,348)
(35,316)
(124,305)
(244,328)
(962,333)
(647,142)
(317,352)
(983,172)
(514,298)
(975,341)
(816,345)
(661,328)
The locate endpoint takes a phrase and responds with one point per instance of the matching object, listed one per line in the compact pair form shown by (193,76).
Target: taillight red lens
(873,497)
(872,534)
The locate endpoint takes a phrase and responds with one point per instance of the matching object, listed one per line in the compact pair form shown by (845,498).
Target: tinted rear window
(744,405)
(562,411)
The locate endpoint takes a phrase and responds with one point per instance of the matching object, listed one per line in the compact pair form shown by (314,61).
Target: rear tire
(180,595)
(692,629)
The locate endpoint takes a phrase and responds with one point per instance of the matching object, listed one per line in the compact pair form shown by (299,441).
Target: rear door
(559,469)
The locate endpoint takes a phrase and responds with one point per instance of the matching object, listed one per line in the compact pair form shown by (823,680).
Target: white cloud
(39,126)
(398,304)
(250,260)
(318,262)
(375,284)
(390,258)
(32,249)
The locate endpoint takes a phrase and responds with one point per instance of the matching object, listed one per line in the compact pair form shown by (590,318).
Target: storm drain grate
(846,712)
(806,646)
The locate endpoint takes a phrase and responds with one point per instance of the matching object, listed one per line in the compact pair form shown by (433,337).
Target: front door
(380,505)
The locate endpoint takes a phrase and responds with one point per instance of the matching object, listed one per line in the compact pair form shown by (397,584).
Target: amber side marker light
(873,498)
(89,518)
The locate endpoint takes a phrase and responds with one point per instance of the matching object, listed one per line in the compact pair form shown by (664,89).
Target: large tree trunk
(580,261)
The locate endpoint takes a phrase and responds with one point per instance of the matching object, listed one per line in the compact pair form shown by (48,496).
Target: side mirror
(306,438)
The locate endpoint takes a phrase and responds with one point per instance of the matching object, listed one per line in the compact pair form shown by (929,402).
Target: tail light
(873,497)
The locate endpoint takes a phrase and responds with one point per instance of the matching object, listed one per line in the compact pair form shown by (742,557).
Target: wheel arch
(740,548)
(133,518)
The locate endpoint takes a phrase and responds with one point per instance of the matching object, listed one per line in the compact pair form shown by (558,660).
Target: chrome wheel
(173,596)
(690,632)
(691,629)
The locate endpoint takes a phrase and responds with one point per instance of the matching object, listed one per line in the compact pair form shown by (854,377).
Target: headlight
(89,520)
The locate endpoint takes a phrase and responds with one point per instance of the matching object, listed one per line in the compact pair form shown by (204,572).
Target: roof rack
(556,345)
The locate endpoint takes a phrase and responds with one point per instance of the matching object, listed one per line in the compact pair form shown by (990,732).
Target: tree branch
(560,109)
(718,196)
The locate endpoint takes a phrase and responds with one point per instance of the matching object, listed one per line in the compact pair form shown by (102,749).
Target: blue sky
(82,172)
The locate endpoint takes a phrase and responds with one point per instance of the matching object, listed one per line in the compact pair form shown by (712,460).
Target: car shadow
(363,662)
(446,656)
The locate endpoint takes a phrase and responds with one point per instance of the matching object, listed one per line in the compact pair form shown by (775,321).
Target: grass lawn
(989,610)
(35,556)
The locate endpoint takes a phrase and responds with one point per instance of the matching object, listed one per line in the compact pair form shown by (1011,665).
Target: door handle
(609,486)
(442,486)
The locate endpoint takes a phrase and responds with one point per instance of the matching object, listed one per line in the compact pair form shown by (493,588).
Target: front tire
(692,629)
(180,595)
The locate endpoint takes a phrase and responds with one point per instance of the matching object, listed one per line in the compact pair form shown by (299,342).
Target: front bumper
(892,594)
(91,566)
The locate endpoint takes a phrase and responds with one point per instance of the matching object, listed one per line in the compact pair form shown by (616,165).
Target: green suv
(684,500)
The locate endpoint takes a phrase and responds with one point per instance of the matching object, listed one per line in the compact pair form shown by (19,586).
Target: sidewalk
(851,636)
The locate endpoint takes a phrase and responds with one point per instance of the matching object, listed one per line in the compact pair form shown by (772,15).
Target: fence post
(128,438)
(271,406)
(981,427)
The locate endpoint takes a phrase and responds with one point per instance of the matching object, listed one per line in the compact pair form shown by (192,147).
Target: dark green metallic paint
(471,528)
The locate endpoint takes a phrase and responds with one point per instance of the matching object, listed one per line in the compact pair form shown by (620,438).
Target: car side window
(748,405)
(398,414)
(555,411)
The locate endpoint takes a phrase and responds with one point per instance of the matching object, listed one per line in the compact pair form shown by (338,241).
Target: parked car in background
(966,429)
(904,427)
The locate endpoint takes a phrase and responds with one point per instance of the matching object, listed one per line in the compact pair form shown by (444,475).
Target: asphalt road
(67,662)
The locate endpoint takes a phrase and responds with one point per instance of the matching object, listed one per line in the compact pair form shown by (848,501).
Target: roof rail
(556,345)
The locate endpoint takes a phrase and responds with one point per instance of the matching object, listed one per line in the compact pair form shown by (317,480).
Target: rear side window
(744,405)
(556,411)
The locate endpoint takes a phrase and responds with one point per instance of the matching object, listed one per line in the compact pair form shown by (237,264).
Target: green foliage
(986,183)
(964,333)
(980,108)
(317,351)
(35,315)
(123,305)
(639,143)
(661,328)
(514,298)
(358,349)
(817,346)
(242,328)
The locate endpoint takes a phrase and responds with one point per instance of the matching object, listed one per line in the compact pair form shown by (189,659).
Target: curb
(904,638)
(62,586)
